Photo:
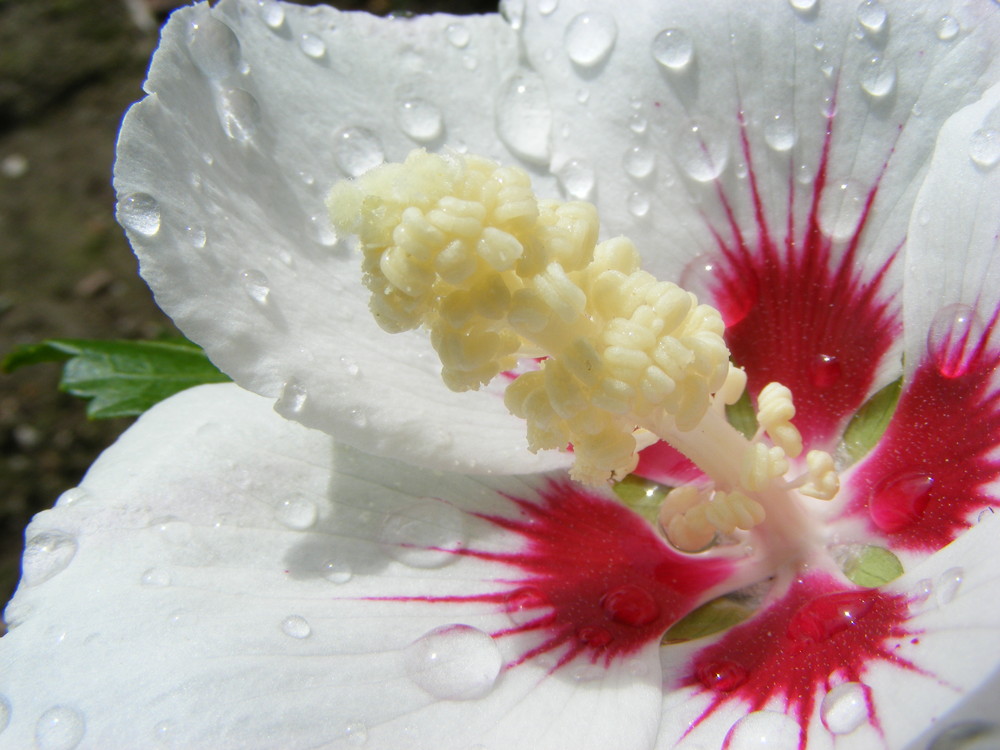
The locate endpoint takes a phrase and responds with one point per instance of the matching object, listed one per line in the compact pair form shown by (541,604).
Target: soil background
(68,71)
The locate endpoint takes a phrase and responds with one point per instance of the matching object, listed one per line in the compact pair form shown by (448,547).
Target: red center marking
(816,635)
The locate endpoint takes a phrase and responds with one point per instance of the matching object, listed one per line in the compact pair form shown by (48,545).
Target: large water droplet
(840,209)
(948,584)
(577,179)
(196,236)
(155,578)
(639,161)
(547,7)
(827,615)
(140,213)
(419,119)
(323,230)
(638,204)
(256,286)
(946,28)
(59,728)
(825,371)
(524,117)
(357,733)
(312,46)
(765,729)
(723,676)
(454,662)
(292,400)
(630,605)
(214,47)
(424,535)
(984,148)
(702,276)
(295,626)
(899,500)
(779,133)
(637,124)
(357,150)
(673,49)
(239,113)
(955,339)
(297,513)
(844,708)
(457,35)
(271,13)
(872,15)
(878,76)
(803,6)
(337,571)
(590,37)
(702,152)
(45,555)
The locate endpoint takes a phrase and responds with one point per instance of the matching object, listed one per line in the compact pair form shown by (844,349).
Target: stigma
(462,246)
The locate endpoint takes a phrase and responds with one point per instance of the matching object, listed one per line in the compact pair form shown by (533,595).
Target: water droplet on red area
(631,605)
(703,277)
(826,371)
(724,676)
(525,604)
(900,501)
(825,616)
(594,637)
(954,339)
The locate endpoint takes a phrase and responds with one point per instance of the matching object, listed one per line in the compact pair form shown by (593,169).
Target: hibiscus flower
(228,577)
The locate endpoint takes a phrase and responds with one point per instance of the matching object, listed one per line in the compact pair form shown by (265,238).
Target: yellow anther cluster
(463,247)
(691,520)
(775,412)
(823,482)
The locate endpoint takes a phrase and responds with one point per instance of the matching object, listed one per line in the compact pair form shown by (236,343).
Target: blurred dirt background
(68,71)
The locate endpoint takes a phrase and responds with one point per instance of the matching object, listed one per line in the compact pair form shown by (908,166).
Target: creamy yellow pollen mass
(462,246)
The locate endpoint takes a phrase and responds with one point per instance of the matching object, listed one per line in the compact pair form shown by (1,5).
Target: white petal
(182,596)
(952,253)
(254,111)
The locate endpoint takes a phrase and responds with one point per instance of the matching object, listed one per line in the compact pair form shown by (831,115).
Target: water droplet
(525,604)
(420,120)
(72,495)
(292,400)
(767,729)
(594,636)
(590,37)
(454,662)
(155,577)
(140,213)
(357,150)
(337,571)
(872,15)
(214,47)
(639,161)
(312,46)
(577,179)
(779,133)
(840,209)
(271,13)
(297,513)
(878,76)
(899,500)
(803,6)
(702,153)
(984,148)
(350,366)
(4,713)
(638,204)
(323,230)
(359,418)
(513,11)
(827,615)
(295,626)
(239,113)
(829,106)
(948,584)
(630,605)
(582,96)
(723,676)
(45,555)
(637,124)
(955,339)
(703,277)
(946,28)
(457,35)
(196,236)
(845,708)
(59,728)
(164,732)
(547,7)
(256,285)
(357,733)
(423,535)
(920,595)
(673,49)
(825,371)
(524,117)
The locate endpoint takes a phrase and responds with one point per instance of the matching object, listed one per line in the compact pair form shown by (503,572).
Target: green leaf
(122,378)
(642,495)
(742,416)
(867,426)
(715,616)
(872,566)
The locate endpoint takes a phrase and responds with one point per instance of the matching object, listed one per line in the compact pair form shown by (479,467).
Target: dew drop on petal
(196,236)
(724,675)
(357,150)
(256,286)
(948,584)
(630,605)
(638,204)
(423,535)
(72,495)
(295,626)
(984,148)
(214,47)
(878,76)
(577,179)
(590,37)
(337,571)
(420,120)
(357,733)
(840,210)
(844,708)
(312,46)
(454,662)
(946,28)
(954,338)
(140,213)
(827,615)
(271,13)
(899,500)
(45,555)
(292,400)
(526,604)
(524,117)
(513,11)
(765,729)
(155,578)
(239,113)
(583,96)
(297,513)
(803,6)
(639,162)
(350,366)
(59,728)
(779,133)
(637,124)
(872,15)
(825,371)
(702,153)
(547,7)
(673,49)
(457,35)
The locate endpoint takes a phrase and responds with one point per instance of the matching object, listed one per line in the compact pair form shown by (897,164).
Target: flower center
(462,246)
